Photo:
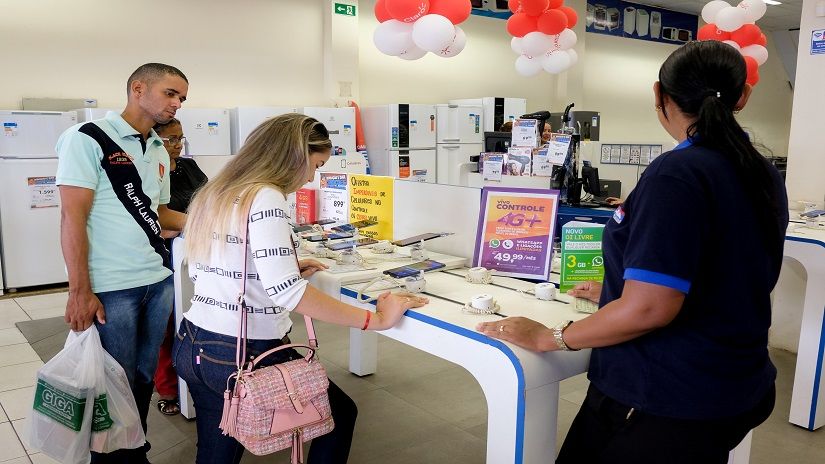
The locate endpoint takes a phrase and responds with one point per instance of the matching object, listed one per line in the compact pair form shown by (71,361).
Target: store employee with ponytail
(680,369)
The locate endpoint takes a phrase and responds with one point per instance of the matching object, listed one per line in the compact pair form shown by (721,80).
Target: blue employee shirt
(122,226)
(689,225)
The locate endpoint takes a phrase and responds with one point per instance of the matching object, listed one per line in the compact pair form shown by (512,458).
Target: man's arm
(83,306)
(171,219)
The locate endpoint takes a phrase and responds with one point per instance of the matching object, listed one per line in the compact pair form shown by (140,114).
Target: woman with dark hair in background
(185,178)
(680,370)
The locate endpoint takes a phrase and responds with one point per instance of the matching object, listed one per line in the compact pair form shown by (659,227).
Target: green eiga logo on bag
(58,405)
(101,420)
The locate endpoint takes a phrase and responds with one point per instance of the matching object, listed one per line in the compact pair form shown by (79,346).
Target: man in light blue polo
(113,176)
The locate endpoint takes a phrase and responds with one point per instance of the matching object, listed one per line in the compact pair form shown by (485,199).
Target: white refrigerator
(29,199)
(244,119)
(460,136)
(496,110)
(401,140)
(340,122)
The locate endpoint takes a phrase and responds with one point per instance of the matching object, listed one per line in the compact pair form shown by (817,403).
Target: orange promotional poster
(515,231)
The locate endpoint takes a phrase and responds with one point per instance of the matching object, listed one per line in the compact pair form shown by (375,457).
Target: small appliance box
(305,206)
(581,253)
(519,161)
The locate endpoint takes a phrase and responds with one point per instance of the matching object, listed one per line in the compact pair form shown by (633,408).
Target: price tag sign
(515,231)
(334,197)
(370,199)
(43,192)
(581,253)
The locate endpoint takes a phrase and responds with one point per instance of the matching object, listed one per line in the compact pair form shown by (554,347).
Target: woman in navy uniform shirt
(680,371)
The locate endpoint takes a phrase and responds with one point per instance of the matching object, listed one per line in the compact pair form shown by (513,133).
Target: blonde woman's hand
(391,306)
(589,290)
(310,266)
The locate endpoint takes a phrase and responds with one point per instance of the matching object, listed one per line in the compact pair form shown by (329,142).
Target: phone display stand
(384,247)
(418,252)
(479,275)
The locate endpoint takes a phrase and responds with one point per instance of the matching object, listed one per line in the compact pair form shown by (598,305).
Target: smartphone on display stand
(414,269)
(345,244)
(417,239)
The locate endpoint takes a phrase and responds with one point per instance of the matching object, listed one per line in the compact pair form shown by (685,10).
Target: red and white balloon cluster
(543,36)
(734,25)
(411,28)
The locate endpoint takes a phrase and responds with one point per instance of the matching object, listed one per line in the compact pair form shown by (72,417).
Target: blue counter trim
(817,376)
(476,336)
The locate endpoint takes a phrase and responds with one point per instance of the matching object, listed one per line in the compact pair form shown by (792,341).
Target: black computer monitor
(590,180)
(497,142)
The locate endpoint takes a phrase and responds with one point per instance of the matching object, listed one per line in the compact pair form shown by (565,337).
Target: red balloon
(752,66)
(711,32)
(752,79)
(457,11)
(748,34)
(763,41)
(514,5)
(407,10)
(521,24)
(572,16)
(554,4)
(552,22)
(381,13)
(534,7)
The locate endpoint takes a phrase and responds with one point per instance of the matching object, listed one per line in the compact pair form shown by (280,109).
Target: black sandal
(169,407)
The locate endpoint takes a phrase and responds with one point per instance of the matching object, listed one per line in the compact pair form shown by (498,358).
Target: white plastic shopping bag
(116,424)
(60,423)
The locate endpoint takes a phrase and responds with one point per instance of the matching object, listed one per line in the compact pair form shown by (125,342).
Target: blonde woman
(277,159)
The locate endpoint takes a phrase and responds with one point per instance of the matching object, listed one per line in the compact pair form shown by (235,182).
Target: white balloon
(433,32)
(515,44)
(567,39)
(730,19)
(733,44)
(392,37)
(556,62)
(754,9)
(454,48)
(528,66)
(758,52)
(574,56)
(536,43)
(412,53)
(710,10)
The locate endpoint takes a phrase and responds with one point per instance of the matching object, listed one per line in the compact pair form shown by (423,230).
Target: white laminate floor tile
(50,300)
(17,403)
(19,375)
(10,446)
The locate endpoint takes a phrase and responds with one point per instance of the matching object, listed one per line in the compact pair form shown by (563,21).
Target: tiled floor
(416,409)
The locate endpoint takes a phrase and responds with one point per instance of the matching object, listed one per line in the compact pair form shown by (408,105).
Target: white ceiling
(784,16)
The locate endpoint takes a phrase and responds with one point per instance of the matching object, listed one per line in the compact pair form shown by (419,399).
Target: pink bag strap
(240,351)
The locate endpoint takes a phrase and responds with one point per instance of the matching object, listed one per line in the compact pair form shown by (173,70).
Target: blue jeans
(136,321)
(205,359)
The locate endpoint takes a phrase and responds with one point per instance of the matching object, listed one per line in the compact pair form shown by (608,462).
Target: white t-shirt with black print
(273,282)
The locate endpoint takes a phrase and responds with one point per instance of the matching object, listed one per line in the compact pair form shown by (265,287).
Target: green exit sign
(344,9)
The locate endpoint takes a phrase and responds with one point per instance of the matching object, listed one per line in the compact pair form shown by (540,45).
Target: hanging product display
(735,26)
(411,28)
(543,36)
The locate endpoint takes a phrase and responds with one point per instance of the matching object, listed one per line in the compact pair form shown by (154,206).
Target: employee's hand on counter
(310,266)
(391,306)
(82,309)
(589,290)
(526,333)
(613,201)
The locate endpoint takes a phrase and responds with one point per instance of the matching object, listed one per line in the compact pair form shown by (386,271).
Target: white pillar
(341,51)
(806,148)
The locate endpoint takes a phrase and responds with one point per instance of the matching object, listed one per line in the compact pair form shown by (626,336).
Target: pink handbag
(273,408)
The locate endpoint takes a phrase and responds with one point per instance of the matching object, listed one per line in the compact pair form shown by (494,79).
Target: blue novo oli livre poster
(642,22)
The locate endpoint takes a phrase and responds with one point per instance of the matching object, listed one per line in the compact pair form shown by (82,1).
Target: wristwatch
(558,335)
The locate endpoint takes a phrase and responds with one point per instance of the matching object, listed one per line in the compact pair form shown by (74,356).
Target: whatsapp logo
(495,243)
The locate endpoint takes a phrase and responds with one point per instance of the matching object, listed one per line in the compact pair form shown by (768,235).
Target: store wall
(618,82)
(484,68)
(255,52)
